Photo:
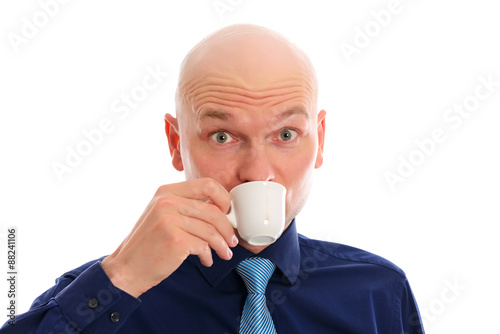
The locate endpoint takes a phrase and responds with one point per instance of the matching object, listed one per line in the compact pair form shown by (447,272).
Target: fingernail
(229,253)
(234,240)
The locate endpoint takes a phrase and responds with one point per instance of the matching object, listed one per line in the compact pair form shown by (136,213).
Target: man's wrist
(121,280)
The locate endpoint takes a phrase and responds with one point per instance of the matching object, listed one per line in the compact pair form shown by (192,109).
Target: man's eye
(288,134)
(221,137)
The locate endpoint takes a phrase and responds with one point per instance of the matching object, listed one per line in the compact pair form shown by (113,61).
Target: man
(246,108)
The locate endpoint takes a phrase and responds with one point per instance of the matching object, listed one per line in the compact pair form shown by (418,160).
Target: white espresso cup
(258,211)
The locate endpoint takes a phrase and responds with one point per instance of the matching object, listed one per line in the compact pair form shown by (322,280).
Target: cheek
(298,178)
(194,162)
(218,167)
(197,163)
(297,194)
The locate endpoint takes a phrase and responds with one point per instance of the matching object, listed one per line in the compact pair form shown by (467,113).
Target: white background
(440,225)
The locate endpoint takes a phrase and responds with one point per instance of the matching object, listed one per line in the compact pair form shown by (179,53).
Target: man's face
(247,117)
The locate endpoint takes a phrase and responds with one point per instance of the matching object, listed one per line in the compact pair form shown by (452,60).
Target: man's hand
(182,219)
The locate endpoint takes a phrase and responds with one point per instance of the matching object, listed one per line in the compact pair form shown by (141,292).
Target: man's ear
(321,138)
(172,131)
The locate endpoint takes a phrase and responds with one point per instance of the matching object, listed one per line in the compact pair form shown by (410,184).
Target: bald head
(245,55)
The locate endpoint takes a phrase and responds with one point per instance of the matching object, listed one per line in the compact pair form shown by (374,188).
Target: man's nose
(256,165)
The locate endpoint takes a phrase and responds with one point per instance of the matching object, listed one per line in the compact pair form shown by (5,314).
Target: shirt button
(115,316)
(93,303)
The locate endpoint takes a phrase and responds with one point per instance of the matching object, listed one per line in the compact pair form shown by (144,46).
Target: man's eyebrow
(215,114)
(291,112)
(225,116)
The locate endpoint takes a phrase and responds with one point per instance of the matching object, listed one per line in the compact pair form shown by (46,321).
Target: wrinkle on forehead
(245,62)
(239,97)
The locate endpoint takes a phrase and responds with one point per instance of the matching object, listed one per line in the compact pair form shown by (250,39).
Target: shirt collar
(284,253)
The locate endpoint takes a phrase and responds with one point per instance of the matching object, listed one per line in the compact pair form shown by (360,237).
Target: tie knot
(256,272)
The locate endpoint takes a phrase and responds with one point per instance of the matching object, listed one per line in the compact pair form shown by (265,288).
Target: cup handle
(231,216)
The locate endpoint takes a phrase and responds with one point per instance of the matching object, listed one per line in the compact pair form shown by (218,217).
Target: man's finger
(200,189)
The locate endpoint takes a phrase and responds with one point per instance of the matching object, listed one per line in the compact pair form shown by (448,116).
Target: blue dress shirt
(317,287)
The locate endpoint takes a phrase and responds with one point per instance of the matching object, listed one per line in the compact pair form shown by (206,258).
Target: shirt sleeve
(88,303)
(407,318)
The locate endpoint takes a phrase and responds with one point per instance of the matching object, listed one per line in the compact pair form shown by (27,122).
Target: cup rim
(260,182)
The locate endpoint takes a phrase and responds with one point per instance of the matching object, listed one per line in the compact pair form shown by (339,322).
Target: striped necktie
(256,272)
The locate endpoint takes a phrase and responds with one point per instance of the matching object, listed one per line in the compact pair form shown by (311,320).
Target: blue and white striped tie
(256,272)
